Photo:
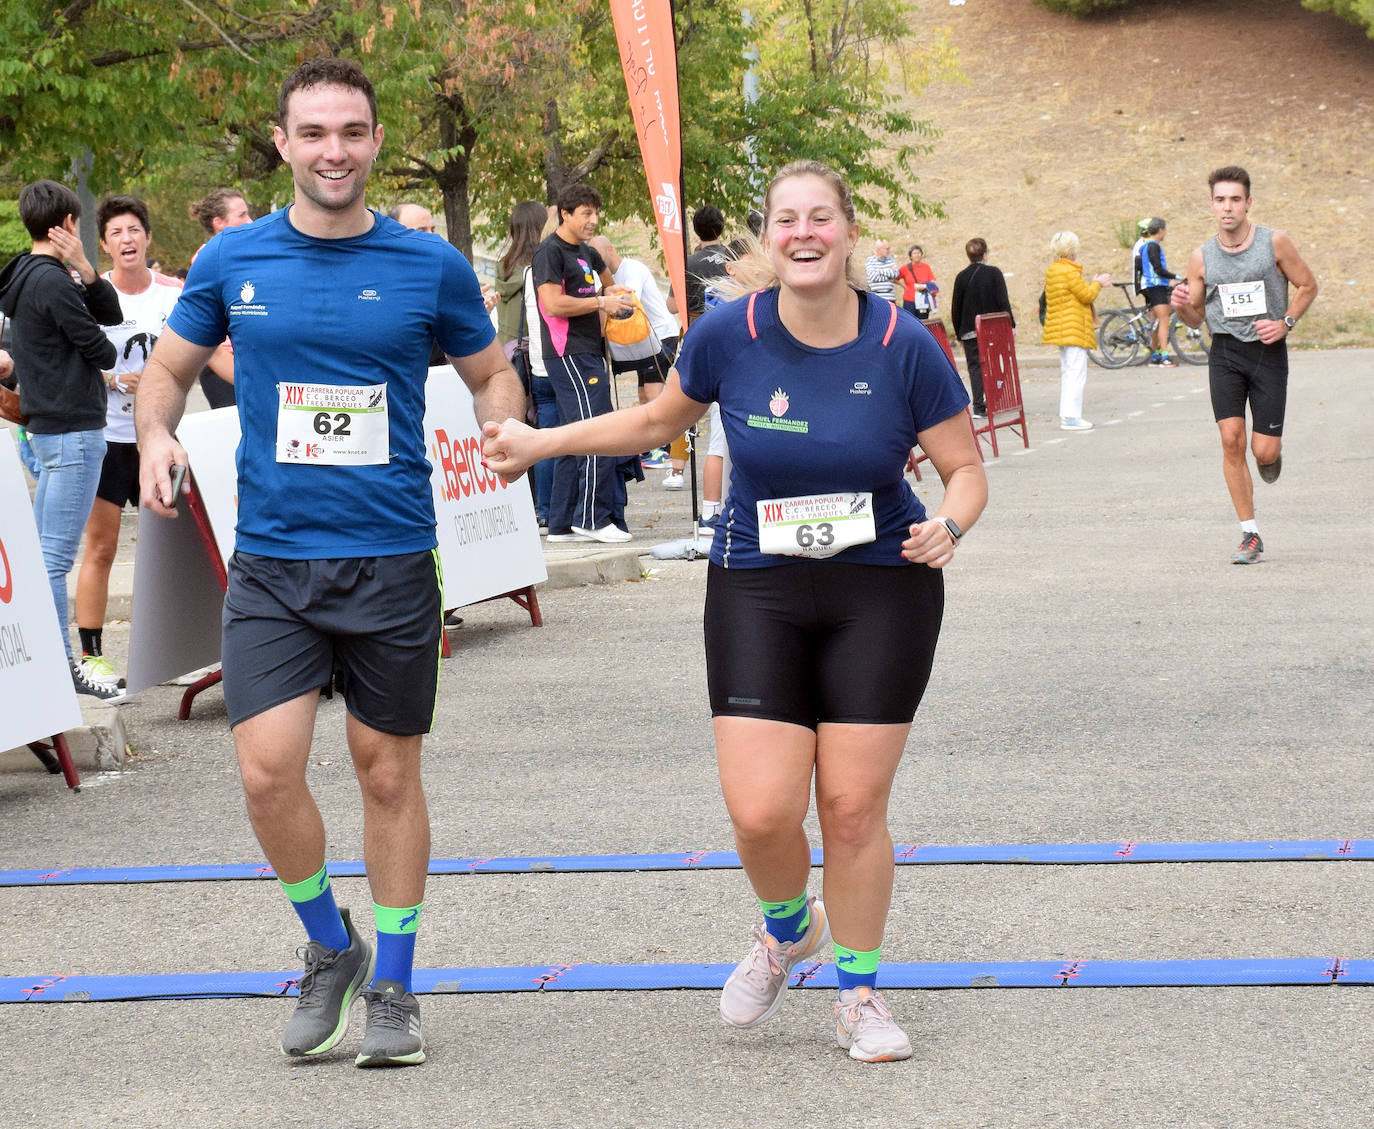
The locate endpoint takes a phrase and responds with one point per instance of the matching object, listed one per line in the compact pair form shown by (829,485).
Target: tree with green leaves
(484,103)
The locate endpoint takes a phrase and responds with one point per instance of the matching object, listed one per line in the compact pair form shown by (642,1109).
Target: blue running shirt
(800,420)
(358,311)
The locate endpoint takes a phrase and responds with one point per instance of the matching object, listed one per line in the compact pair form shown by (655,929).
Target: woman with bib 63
(824,595)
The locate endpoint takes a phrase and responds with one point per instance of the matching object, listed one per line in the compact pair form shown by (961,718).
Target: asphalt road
(1104,674)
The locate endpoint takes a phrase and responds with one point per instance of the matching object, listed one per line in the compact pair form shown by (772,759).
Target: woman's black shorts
(813,641)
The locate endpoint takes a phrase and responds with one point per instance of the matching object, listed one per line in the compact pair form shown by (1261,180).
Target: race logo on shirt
(778,407)
(246,307)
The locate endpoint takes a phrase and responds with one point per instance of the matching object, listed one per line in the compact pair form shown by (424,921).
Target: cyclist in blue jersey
(1155,283)
(824,591)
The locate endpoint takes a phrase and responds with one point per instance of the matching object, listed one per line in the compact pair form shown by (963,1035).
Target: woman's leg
(855,766)
(93,578)
(1073,375)
(765,776)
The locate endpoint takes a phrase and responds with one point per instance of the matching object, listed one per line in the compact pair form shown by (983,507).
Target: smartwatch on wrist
(954,531)
(1289,322)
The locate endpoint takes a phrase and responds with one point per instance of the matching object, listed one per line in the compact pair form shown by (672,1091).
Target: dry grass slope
(1061,123)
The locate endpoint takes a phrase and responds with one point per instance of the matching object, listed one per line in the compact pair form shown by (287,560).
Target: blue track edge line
(1032,854)
(1233,972)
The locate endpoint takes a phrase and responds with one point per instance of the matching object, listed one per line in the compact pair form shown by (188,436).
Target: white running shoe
(673,481)
(755,989)
(865,1028)
(1073,423)
(607,533)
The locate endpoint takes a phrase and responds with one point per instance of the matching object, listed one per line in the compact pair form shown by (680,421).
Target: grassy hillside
(1089,125)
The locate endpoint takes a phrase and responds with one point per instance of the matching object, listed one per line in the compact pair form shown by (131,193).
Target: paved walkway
(1104,675)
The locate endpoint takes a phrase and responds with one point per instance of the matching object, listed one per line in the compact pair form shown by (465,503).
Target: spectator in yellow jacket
(1069,301)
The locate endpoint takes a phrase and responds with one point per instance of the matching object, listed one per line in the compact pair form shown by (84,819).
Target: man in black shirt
(707,263)
(588,502)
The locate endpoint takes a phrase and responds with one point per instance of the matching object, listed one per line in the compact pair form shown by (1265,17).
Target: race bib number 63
(816,525)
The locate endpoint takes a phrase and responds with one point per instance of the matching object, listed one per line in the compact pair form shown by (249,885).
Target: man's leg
(273,750)
(395,837)
(974,364)
(1235,468)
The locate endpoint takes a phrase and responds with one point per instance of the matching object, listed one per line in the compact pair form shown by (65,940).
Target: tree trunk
(453,178)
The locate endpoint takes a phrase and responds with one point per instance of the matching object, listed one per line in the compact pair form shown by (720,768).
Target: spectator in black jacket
(59,353)
(978,289)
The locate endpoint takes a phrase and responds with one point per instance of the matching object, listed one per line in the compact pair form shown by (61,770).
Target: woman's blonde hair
(1064,245)
(754,271)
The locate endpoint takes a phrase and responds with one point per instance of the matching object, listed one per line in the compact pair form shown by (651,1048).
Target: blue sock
(396,943)
(856,968)
(313,901)
(786,921)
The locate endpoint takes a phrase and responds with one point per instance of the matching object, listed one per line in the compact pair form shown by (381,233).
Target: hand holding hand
(508,448)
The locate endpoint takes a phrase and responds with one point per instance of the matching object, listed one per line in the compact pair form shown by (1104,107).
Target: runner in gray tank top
(1239,281)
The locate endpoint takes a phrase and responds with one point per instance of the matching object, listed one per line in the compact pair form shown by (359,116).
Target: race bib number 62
(332,425)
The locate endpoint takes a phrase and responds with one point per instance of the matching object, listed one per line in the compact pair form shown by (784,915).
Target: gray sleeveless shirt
(1231,268)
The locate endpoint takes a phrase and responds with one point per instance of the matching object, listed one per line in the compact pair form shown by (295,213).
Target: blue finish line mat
(659,977)
(1031,854)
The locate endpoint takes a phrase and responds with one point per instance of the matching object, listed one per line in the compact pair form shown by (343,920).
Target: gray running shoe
(331,981)
(1251,549)
(394,1034)
(1270,471)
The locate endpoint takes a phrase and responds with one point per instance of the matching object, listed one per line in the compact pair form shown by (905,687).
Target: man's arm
(1156,253)
(559,305)
(1300,275)
(222,364)
(497,393)
(1188,300)
(158,407)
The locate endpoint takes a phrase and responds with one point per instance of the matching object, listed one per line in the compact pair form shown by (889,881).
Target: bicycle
(1123,331)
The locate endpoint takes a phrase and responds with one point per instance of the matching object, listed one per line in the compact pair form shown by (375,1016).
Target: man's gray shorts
(289,623)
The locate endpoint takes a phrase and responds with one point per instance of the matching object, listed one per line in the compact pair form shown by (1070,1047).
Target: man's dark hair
(1230,174)
(573,196)
(976,249)
(708,222)
(113,206)
(1156,225)
(755,222)
(46,204)
(738,248)
(214,206)
(326,70)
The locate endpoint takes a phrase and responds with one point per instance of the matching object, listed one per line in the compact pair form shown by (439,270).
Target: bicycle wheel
(1118,339)
(1191,346)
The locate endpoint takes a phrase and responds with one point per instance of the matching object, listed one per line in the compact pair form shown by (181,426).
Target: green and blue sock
(855,968)
(313,901)
(396,943)
(786,921)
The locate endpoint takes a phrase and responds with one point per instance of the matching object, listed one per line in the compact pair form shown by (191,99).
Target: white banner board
(37,699)
(488,534)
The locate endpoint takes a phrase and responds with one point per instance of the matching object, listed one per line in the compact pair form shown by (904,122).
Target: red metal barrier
(917,456)
(1001,378)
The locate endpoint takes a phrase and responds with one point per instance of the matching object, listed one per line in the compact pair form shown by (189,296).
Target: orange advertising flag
(648,58)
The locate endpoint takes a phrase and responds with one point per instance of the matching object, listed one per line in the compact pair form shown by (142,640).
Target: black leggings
(813,641)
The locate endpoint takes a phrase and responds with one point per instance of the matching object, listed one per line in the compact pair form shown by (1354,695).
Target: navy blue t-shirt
(800,420)
(351,312)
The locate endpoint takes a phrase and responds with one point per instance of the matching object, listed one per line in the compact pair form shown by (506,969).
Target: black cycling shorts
(1249,371)
(119,475)
(288,624)
(1156,296)
(821,641)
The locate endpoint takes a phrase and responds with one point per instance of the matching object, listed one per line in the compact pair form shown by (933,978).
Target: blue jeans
(68,473)
(546,404)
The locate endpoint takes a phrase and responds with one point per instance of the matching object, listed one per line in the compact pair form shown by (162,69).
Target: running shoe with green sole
(330,983)
(394,1034)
